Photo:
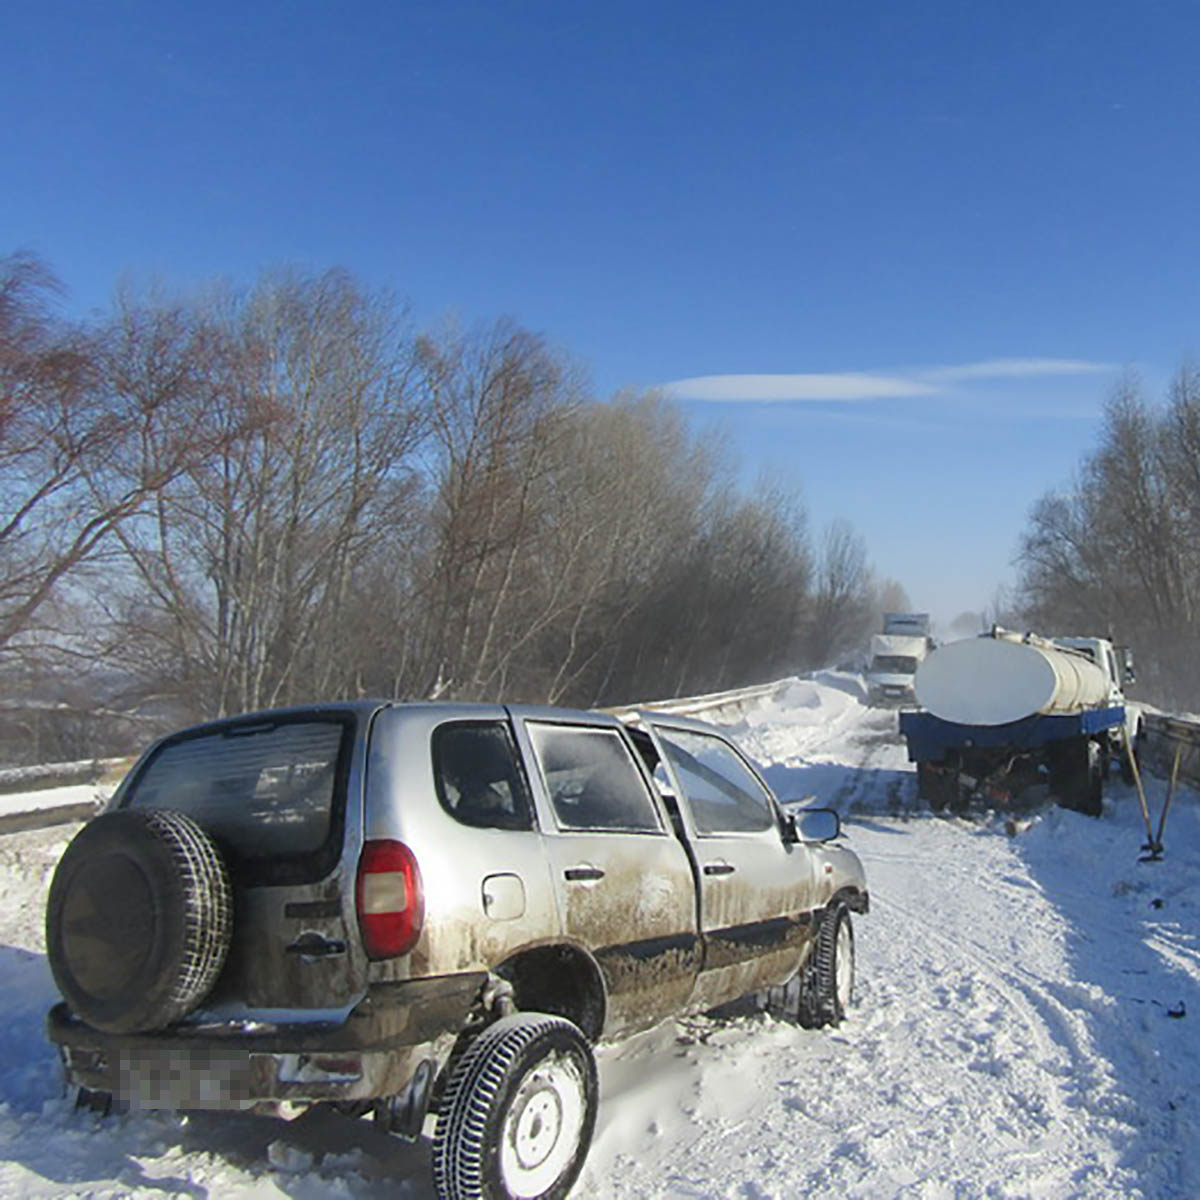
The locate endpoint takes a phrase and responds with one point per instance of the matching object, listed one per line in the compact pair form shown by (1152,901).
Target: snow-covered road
(1013,1033)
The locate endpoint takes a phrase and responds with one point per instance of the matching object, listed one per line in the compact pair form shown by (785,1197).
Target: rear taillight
(391,903)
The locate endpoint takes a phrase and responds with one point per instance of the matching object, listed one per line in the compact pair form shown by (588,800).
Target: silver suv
(429,908)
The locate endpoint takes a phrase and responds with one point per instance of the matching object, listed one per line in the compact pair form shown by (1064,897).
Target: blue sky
(675,192)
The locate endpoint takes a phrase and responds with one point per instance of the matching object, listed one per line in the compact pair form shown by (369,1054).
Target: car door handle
(719,868)
(582,874)
(313,945)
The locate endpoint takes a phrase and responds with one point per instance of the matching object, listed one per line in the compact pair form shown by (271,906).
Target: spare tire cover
(139,919)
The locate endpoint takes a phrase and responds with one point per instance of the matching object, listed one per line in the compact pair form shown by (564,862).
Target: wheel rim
(845,965)
(542,1127)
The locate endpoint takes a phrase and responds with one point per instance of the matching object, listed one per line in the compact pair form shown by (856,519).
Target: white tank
(999,678)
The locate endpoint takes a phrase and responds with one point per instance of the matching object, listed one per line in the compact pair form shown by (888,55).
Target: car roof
(365,708)
(645,716)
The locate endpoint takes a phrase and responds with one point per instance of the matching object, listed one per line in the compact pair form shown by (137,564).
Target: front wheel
(821,991)
(518,1112)
(1127,752)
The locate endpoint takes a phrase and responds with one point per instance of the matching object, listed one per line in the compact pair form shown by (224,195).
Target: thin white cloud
(811,387)
(851,386)
(1014,368)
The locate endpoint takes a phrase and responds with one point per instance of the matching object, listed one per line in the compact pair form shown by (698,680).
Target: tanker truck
(1003,712)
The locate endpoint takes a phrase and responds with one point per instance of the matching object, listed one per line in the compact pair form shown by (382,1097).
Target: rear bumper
(373,1054)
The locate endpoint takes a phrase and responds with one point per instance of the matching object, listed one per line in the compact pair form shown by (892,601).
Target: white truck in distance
(896,653)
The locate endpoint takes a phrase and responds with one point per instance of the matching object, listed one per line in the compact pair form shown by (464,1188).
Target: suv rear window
(270,792)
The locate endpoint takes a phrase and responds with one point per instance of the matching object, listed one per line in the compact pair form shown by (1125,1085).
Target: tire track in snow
(1014,945)
(1058,1055)
(1023,890)
(952,1077)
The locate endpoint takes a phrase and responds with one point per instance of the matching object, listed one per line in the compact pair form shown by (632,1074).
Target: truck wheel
(1093,781)
(1077,777)
(820,992)
(517,1115)
(927,785)
(942,789)
(1126,766)
(1127,776)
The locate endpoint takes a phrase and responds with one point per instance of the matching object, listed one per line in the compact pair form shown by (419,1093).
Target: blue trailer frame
(930,738)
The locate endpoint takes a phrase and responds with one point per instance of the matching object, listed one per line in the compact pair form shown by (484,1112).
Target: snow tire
(139,920)
(821,990)
(518,1111)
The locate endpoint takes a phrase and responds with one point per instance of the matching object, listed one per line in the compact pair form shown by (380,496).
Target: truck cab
(1117,664)
(893,667)
(895,655)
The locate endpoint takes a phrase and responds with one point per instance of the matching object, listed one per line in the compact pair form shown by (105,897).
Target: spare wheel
(139,919)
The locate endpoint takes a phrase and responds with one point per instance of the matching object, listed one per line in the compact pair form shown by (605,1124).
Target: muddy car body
(417,891)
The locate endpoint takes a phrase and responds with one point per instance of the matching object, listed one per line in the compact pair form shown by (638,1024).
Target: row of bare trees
(261,497)
(1120,551)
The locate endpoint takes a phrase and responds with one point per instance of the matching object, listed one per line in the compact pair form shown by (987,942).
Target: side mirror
(1127,666)
(813,825)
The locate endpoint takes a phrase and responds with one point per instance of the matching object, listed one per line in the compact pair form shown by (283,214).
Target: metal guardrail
(46,818)
(1163,736)
(52,775)
(711,703)
(104,773)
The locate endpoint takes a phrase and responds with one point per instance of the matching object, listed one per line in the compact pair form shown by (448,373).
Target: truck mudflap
(373,1054)
(930,738)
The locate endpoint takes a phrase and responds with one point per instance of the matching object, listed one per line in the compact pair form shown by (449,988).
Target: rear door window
(270,792)
(592,779)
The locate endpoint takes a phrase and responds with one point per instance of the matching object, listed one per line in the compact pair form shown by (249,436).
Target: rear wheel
(517,1115)
(90,1100)
(1077,776)
(940,787)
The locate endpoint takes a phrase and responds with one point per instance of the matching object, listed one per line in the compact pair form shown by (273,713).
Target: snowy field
(1024,1026)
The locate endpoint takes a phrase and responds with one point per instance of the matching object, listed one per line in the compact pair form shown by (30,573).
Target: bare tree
(1117,553)
(245,565)
(627,494)
(253,498)
(78,457)
(497,398)
(843,609)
